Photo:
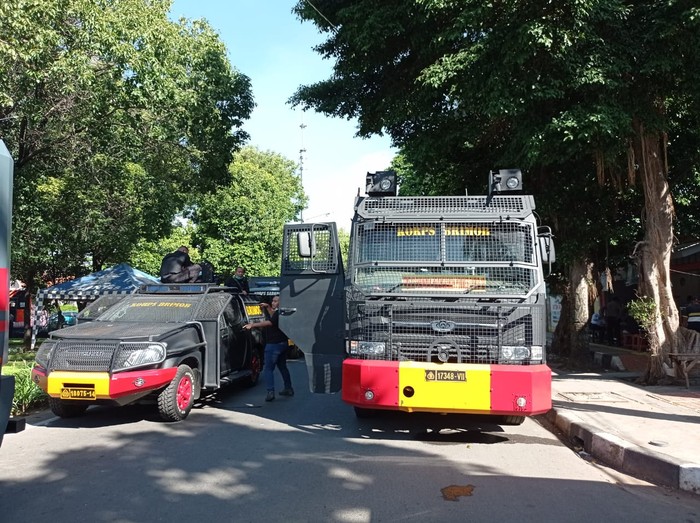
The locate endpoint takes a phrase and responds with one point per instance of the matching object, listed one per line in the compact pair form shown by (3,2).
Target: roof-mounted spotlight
(505,180)
(381,183)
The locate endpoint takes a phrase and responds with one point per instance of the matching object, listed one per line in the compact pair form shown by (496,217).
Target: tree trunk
(570,338)
(655,252)
(28,314)
(28,276)
(561,335)
(580,276)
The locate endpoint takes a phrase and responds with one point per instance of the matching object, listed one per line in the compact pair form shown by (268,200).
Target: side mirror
(306,244)
(547,252)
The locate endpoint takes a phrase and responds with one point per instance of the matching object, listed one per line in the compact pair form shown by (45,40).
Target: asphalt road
(307,458)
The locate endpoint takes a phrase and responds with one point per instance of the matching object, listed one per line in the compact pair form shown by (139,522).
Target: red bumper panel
(510,382)
(131,382)
(380,377)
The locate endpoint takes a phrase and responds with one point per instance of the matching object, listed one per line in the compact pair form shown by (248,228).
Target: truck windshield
(151,309)
(449,257)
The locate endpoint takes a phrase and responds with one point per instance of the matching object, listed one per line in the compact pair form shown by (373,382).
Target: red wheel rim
(184,392)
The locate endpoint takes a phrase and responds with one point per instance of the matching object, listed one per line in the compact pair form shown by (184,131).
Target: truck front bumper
(516,390)
(122,387)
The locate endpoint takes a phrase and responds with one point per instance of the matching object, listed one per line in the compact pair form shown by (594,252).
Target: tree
(242,224)
(598,84)
(116,117)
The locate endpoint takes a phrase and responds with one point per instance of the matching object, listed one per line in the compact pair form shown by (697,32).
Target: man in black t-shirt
(276,347)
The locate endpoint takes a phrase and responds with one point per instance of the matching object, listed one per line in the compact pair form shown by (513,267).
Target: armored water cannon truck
(441,309)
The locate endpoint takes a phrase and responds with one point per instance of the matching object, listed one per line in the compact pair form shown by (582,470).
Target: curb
(626,457)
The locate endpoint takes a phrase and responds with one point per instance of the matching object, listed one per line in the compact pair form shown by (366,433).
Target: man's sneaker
(270,395)
(287,392)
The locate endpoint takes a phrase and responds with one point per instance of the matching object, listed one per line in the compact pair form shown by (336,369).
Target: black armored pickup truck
(165,344)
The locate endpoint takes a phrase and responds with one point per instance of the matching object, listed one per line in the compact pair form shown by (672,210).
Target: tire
(176,400)
(68,408)
(362,413)
(255,367)
(511,420)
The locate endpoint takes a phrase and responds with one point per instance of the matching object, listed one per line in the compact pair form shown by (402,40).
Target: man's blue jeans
(276,354)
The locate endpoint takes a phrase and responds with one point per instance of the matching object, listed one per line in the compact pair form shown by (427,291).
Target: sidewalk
(652,433)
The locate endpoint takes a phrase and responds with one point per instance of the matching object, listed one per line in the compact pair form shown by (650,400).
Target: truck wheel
(176,400)
(67,408)
(255,368)
(511,420)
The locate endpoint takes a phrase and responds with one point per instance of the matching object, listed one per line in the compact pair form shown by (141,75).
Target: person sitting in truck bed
(178,268)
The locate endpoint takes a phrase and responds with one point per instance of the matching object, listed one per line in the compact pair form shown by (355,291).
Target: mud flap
(325,372)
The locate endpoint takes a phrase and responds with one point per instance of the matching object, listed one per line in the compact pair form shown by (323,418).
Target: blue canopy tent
(120,279)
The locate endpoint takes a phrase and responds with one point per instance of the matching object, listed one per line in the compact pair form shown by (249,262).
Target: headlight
(512,182)
(514,353)
(366,348)
(43,353)
(133,355)
(521,354)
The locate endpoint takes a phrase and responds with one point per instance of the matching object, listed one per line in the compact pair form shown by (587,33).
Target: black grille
(458,333)
(82,356)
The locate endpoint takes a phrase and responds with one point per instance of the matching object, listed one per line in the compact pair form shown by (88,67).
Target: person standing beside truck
(276,346)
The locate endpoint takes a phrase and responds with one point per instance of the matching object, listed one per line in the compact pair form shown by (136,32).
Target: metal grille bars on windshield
(462,258)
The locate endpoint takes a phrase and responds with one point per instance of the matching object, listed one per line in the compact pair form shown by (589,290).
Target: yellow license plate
(253,310)
(445,375)
(72,393)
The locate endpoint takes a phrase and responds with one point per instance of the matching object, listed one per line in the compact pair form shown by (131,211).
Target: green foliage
(643,311)
(242,224)
(344,241)
(116,117)
(559,89)
(17,354)
(27,394)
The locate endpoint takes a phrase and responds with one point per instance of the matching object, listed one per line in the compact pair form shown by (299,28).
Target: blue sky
(266,42)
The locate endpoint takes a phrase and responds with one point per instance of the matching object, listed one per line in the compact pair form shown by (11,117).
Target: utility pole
(302,151)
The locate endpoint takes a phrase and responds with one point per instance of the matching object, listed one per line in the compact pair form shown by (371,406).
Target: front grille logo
(442,325)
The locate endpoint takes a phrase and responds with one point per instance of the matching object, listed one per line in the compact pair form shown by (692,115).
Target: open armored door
(312,302)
